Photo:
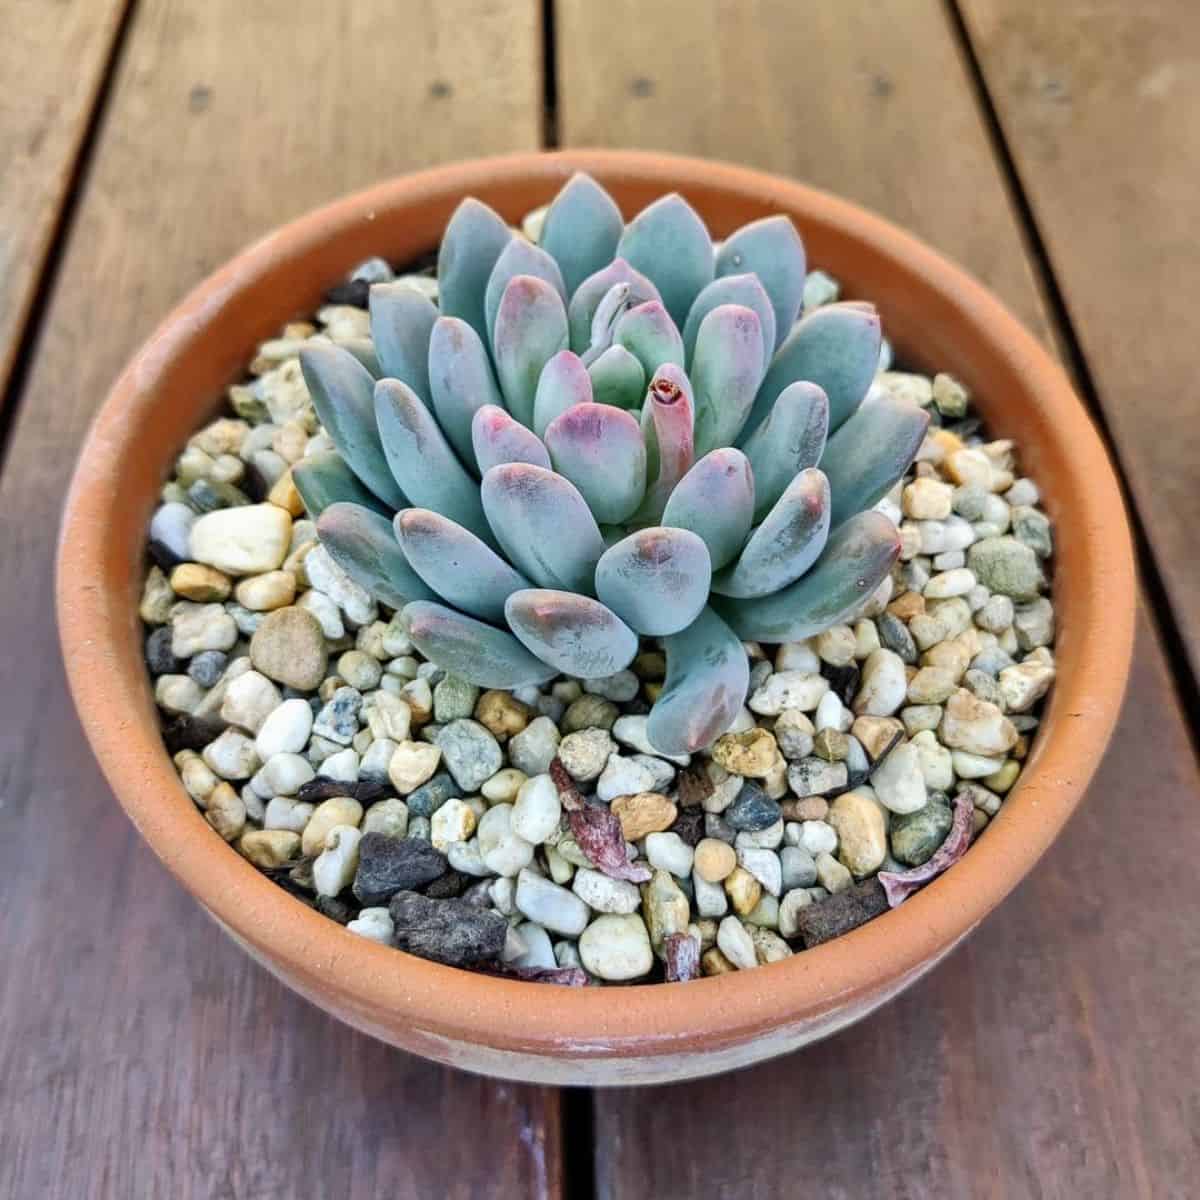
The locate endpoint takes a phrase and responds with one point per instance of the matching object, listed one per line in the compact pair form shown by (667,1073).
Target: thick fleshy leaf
(461,381)
(564,382)
(614,304)
(487,656)
(786,544)
(362,543)
(587,297)
(458,567)
(401,325)
(531,328)
(343,393)
(837,348)
(726,371)
(582,228)
(600,450)
(715,500)
(745,290)
(790,439)
(656,580)
(473,241)
(364,350)
(871,451)
(669,243)
(649,334)
(520,257)
(496,438)
(324,479)
(574,633)
(853,564)
(617,378)
(667,429)
(771,249)
(708,674)
(422,460)
(543,525)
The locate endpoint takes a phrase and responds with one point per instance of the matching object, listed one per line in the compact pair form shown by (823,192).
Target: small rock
(170,532)
(764,865)
(1034,624)
(225,811)
(898,780)
(788,689)
(375,924)
(642,813)
(950,397)
(232,755)
(894,636)
(797,868)
(752,810)
(937,764)
(932,685)
(537,811)
(452,931)
(388,817)
(916,836)
(589,712)
(471,753)
(714,860)
(204,585)
(620,776)
(665,908)
(270,849)
(453,822)
(751,754)
(261,593)
(283,775)
(338,810)
(833,875)
(769,947)
(794,734)
(249,700)
(338,720)
(605,894)
(533,749)
(207,667)
(667,851)
(289,647)
(816,777)
(1032,528)
(504,852)
(616,947)
(247,540)
(352,598)
(1007,566)
(413,763)
(197,627)
(178,694)
(551,906)
(975,726)
(1024,684)
(861,824)
(335,866)
(927,500)
(736,944)
(621,687)
(884,685)
(743,889)
(455,698)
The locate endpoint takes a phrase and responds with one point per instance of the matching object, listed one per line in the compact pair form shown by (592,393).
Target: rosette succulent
(622,431)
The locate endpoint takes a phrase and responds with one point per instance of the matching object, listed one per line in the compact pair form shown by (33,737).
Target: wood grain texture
(52,60)
(1099,102)
(1052,1055)
(141,1053)
(866,98)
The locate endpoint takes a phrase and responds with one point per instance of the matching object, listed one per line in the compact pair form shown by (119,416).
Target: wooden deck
(1052,148)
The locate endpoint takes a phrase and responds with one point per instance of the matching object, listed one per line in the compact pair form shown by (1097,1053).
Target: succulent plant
(619,432)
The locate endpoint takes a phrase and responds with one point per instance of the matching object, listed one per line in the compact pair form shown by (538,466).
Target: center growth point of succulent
(621,432)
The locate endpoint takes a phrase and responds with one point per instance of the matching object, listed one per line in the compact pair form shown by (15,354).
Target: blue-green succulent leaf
(745,290)
(461,381)
(582,228)
(497,439)
(667,420)
(487,656)
(473,241)
(708,675)
(343,394)
(649,334)
(543,525)
(564,382)
(617,378)
(871,451)
(361,542)
(786,544)
(588,296)
(364,350)
(421,459)
(520,257)
(576,634)
(790,439)
(401,324)
(837,348)
(669,243)
(656,580)
(323,479)
(456,565)
(715,500)
(853,564)
(771,249)
(726,371)
(531,328)
(600,450)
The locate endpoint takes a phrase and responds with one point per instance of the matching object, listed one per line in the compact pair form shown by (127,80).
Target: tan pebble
(743,890)
(284,494)
(289,647)
(907,605)
(953,655)
(970,466)
(337,810)
(714,860)
(195,581)
(412,764)
(932,685)
(502,788)
(418,695)
(877,734)
(927,500)
(811,808)
(643,813)
(1002,780)
(750,754)
(713,962)
(653,690)
(502,714)
(223,436)
(329,687)
(157,598)
(665,908)
(270,849)
(705,928)
(454,821)
(979,820)
(861,823)
(225,812)
(261,593)
(832,745)
(975,726)
(198,779)
(769,947)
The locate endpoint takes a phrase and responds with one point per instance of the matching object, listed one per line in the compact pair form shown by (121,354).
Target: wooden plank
(1038,1060)
(53,58)
(869,100)
(142,1053)
(1100,106)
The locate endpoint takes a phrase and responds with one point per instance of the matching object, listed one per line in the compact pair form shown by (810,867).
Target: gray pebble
(752,810)
(338,720)
(159,657)
(453,932)
(207,667)
(387,865)
(470,753)
(430,796)
(894,635)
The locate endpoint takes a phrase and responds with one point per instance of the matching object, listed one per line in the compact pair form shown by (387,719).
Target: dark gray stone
(894,635)
(752,810)
(208,666)
(453,932)
(159,657)
(916,836)
(387,865)
(430,796)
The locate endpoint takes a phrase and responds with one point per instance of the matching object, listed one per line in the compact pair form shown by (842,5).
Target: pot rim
(318,956)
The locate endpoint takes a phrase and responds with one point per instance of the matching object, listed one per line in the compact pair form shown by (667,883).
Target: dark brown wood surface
(1099,103)
(141,1054)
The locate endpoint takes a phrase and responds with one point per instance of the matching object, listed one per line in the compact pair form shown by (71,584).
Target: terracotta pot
(935,314)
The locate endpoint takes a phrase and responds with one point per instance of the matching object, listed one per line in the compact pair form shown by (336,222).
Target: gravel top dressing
(536,831)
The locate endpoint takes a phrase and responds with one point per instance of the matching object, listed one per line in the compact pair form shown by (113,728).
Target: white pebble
(788,689)
(764,865)
(605,894)
(616,947)
(670,852)
(245,540)
(899,781)
(550,905)
(502,851)
(622,777)
(818,837)
(736,944)
(333,869)
(286,729)
(539,951)
(537,811)
(231,756)
(374,924)
(249,700)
